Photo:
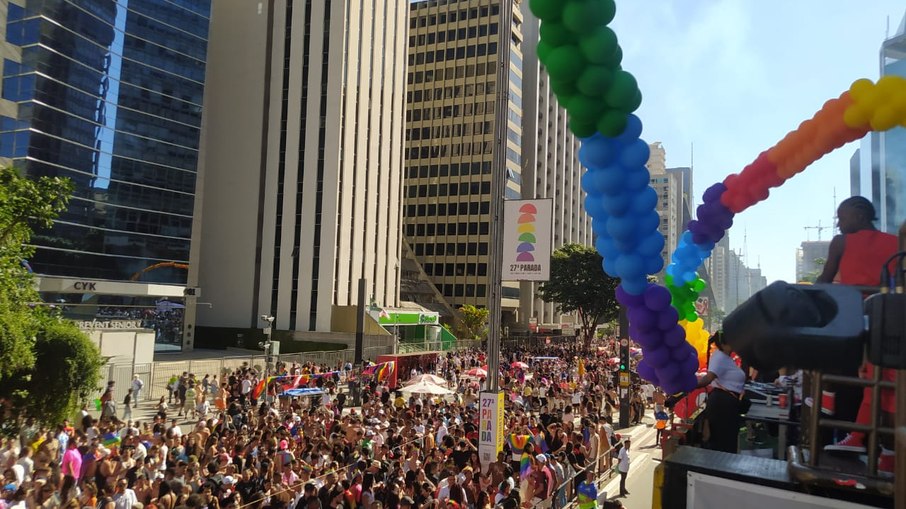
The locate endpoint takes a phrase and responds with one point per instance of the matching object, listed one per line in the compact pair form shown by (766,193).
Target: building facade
(109,94)
(452,101)
(551,169)
(878,172)
(810,258)
(303,178)
(669,187)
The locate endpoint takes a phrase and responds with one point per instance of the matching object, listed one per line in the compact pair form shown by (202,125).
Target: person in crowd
(623,466)
(726,381)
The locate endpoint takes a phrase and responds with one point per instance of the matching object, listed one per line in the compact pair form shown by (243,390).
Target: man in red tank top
(856,257)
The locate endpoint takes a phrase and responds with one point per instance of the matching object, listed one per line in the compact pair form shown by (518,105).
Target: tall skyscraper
(551,168)
(302,183)
(669,187)
(718,270)
(451,101)
(879,172)
(109,94)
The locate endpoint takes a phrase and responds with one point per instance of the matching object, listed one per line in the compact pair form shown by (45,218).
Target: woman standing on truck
(727,385)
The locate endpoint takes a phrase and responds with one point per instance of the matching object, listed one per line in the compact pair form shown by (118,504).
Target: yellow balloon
(861,89)
(857,116)
(885,118)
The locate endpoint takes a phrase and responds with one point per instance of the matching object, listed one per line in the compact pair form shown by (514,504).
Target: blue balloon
(606,247)
(687,277)
(597,152)
(621,227)
(649,222)
(599,224)
(632,132)
(644,200)
(635,154)
(637,179)
(652,244)
(630,265)
(588,181)
(594,207)
(618,205)
(634,286)
(653,264)
(610,266)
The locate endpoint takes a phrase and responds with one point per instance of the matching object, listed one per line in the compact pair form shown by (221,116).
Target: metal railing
(564,495)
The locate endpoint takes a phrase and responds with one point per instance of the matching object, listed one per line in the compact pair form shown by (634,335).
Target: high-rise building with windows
(810,259)
(669,187)
(109,94)
(878,170)
(551,169)
(304,138)
(452,99)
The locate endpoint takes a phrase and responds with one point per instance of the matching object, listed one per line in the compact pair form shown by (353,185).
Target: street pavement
(644,456)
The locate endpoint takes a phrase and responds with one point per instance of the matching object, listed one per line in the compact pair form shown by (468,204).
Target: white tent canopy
(431,379)
(426,388)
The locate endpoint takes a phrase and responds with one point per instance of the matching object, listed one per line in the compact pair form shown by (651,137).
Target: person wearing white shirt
(623,467)
(137,385)
(124,498)
(727,382)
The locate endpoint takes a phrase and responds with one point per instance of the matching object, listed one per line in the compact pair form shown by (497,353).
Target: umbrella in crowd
(424,387)
(427,378)
(477,372)
(519,365)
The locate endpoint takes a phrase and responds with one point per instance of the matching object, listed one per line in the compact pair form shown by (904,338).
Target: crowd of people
(244,447)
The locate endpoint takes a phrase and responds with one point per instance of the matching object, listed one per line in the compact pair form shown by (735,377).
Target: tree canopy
(46,363)
(578,283)
(473,323)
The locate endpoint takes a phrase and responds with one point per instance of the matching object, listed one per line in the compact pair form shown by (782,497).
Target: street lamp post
(269,320)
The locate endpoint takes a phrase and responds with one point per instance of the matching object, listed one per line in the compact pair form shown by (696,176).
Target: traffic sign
(624,342)
(624,379)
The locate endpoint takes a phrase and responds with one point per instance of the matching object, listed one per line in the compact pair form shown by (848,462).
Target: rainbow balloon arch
(582,56)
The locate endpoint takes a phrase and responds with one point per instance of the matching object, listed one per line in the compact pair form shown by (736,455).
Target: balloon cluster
(582,58)
(880,106)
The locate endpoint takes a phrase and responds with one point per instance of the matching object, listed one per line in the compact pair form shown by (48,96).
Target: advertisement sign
(490,426)
(526,240)
(703,306)
(533,324)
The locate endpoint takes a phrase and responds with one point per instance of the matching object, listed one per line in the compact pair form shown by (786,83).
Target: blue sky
(733,77)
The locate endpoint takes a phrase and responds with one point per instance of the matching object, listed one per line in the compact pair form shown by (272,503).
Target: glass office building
(108,94)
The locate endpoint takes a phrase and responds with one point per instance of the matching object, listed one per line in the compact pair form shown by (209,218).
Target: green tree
(578,283)
(812,276)
(46,363)
(473,323)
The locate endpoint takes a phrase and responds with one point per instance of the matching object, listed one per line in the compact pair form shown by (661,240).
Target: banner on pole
(491,426)
(526,240)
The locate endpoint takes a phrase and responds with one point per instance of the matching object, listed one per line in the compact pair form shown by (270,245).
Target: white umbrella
(431,379)
(426,388)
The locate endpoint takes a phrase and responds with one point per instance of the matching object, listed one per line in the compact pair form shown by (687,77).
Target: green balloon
(633,104)
(544,50)
(594,80)
(698,284)
(599,45)
(614,59)
(563,90)
(584,16)
(585,109)
(582,129)
(565,63)
(556,34)
(546,9)
(622,91)
(612,123)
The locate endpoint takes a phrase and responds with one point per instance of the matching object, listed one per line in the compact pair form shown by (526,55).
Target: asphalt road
(644,456)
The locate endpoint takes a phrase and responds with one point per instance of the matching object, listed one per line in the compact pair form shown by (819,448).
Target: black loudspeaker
(886,314)
(799,326)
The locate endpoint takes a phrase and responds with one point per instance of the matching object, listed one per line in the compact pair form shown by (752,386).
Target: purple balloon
(649,339)
(642,318)
(687,382)
(690,365)
(627,299)
(657,298)
(679,353)
(714,192)
(657,357)
(647,372)
(675,336)
(668,372)
(667,319)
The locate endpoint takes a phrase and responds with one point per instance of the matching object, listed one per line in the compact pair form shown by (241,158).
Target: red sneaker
(852,443)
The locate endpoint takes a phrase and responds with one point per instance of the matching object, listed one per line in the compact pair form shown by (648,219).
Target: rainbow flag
(525,464)
(384,370)
(518,442)
(110,439)
(539,440)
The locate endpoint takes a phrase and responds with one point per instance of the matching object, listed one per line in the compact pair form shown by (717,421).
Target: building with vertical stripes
(452,98)
(302,181)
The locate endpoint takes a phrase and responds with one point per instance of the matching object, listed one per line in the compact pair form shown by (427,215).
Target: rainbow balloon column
(582,56)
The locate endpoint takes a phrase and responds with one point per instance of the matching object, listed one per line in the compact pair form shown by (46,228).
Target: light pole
(266,345)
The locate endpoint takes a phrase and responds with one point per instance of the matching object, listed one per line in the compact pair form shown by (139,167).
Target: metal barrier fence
(156,375)
(565,496)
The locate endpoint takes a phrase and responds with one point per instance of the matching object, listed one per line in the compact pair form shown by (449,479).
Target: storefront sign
(408,318)
(110,324)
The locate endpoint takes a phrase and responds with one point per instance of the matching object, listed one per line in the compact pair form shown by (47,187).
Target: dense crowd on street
(226,443)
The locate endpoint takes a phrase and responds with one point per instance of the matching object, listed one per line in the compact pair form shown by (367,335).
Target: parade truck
(825,330)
